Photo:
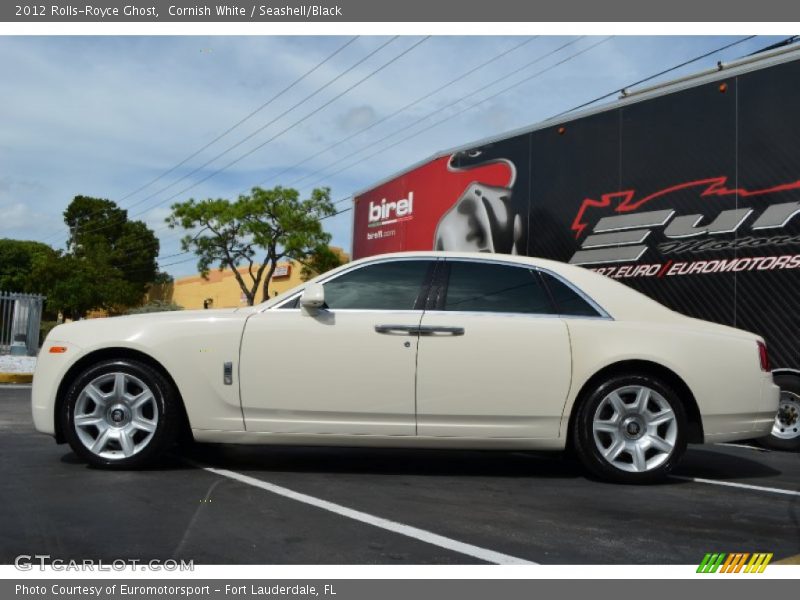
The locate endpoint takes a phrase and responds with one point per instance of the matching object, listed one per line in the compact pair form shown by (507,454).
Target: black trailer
(688,192)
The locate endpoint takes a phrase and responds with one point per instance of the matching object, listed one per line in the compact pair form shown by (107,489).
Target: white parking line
(756,448)
(745,486)
(422,535)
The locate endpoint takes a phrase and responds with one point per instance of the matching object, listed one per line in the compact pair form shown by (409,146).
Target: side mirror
(312,298)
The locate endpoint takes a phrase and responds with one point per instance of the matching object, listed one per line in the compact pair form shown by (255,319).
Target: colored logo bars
(735,562)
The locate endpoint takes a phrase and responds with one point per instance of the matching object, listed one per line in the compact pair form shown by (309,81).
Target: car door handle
(406,329)
(437,329)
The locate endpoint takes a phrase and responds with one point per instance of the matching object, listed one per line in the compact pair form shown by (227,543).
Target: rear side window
(488,287)
(393,285)
(567,300)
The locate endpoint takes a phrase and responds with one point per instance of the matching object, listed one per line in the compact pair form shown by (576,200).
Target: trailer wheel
(786,430)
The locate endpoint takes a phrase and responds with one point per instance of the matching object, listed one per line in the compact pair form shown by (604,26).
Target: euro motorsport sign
(626,237)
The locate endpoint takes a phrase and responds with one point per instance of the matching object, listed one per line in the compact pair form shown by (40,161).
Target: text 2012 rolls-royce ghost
(419,349)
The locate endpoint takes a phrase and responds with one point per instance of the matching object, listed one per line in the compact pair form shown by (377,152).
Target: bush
(154,306)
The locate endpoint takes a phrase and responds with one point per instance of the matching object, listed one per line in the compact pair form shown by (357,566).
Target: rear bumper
(746,425)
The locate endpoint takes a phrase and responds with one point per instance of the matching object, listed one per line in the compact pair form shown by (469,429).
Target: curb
(16,377)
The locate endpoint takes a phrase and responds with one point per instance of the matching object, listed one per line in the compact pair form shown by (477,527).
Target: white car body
(511,381)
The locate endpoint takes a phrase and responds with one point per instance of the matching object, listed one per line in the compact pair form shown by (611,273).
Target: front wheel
(785,433)
(120,413)
(630,429)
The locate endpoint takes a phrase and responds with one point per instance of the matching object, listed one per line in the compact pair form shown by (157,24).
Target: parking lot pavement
(275,505)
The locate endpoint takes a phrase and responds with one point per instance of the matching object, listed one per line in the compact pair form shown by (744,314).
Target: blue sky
(102,116)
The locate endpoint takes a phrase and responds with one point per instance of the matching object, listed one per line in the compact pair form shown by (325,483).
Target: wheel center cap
(633,428)
(118,416)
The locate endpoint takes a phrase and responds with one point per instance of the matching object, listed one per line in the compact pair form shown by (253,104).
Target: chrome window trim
(602,313)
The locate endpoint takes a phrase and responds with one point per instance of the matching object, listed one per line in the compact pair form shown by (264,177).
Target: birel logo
(621,238)
(387,213)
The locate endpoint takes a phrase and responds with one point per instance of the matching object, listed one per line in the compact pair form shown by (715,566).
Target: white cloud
(103,116)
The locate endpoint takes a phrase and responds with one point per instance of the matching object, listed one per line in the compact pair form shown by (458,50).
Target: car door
(494,358)
(349,368)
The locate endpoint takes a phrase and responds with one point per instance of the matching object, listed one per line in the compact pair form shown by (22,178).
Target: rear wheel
(120,413)
(785,433)
(630,429)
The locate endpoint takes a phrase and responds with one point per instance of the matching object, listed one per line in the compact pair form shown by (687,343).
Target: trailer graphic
(688,192)
(620,238)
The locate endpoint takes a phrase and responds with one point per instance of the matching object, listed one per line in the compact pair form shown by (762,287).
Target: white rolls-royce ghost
(422,349)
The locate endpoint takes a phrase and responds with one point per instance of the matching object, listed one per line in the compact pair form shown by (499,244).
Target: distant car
(435,350)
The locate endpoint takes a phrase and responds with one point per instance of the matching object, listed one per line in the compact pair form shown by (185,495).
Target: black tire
(165,406)
(790,391)
(587,448)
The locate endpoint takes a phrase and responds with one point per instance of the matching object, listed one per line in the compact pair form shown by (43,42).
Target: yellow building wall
(222,289)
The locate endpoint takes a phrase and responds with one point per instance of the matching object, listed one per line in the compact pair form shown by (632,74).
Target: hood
(130,327)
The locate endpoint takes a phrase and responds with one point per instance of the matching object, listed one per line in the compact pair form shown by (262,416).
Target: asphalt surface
(539,508)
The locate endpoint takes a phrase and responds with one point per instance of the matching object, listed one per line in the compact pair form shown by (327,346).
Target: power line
(654,76)
(649,78)
(639,82)
(274,120)
(249,136)
(403,108)
(229,129)
(247,117)
(538,73)
(292,126)
(298,122)
(455,114)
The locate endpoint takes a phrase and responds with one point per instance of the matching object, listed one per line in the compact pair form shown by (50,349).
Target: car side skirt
(395,441)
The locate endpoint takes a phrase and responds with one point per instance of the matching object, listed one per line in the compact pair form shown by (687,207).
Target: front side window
(488,287)
(393,285)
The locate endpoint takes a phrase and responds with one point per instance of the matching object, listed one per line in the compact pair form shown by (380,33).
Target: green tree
(101,232)
(320,262)
(154,306)
(20,266)
(109,262)
(256,231)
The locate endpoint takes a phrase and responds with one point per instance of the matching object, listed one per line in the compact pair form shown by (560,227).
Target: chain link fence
(20,320)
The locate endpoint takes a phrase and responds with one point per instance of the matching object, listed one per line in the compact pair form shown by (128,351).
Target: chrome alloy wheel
(115,416)
(635,429)
(787,421)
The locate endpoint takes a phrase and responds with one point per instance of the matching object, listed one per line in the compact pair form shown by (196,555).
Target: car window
(293,303)
(393,285)
(488,287)
(567,300)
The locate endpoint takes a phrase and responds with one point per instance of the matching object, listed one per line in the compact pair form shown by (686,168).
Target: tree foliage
(109,259)
(108,263)
(21,265)
(154,306)
(255,232)
(101,232)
